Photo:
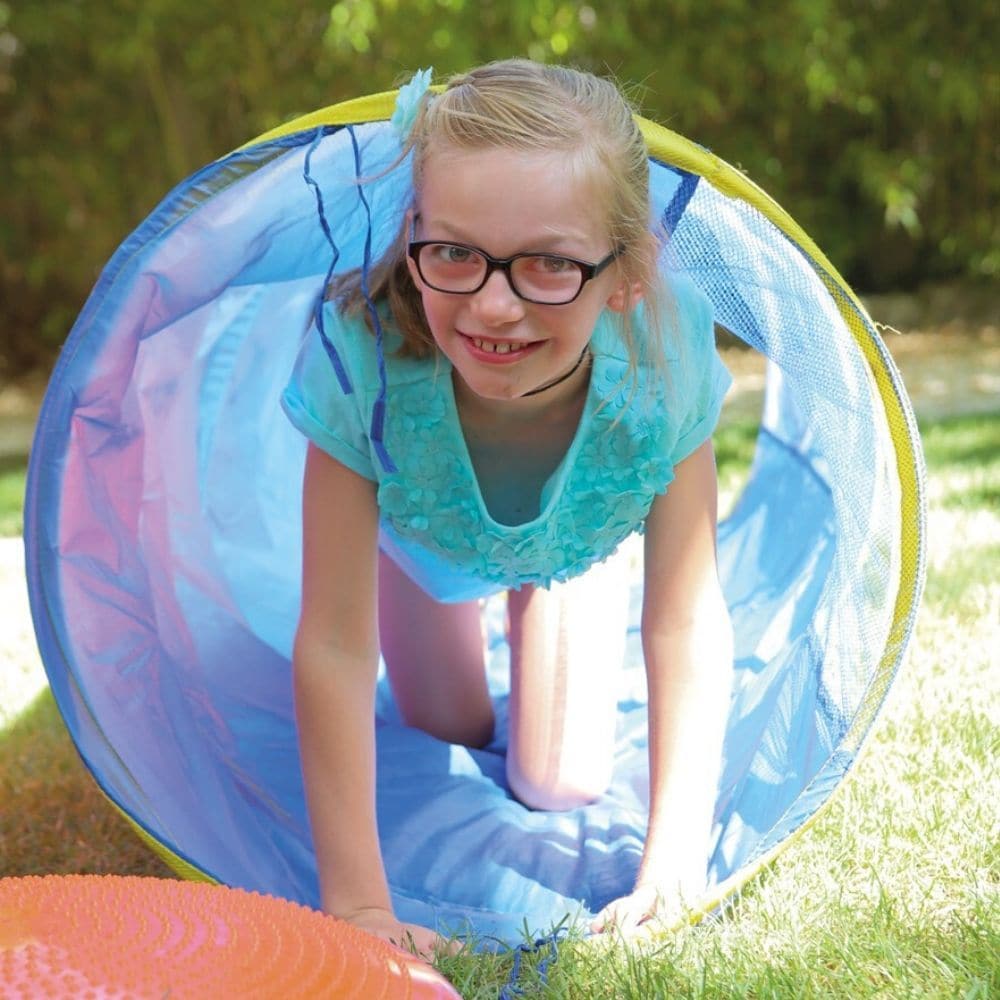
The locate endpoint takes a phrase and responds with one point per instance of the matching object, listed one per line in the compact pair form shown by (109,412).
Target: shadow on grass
(968,448)
(54,819)
(13,464)
(971,440)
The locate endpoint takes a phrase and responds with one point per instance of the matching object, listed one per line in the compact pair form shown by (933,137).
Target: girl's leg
(435,660)
(567,647)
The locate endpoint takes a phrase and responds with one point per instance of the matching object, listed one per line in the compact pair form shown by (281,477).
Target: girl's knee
(554,792)
(473,730)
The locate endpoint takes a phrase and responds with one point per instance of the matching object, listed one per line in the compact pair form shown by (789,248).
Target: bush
(870,122)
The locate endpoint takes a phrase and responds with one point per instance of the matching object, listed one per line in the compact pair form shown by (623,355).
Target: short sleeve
(703,379)
(316,404)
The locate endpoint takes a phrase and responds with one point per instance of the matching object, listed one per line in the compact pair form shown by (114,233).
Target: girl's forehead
(497,160)
(541,190)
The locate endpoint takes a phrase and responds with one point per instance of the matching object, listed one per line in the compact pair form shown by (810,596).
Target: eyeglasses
(545,278)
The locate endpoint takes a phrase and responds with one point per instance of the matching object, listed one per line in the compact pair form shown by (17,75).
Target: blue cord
(331,351)
(378,411)
(512,990)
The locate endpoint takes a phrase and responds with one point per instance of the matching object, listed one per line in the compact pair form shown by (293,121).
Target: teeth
(503,347)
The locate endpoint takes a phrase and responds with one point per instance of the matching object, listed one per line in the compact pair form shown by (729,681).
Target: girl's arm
(688,647)
(335,662)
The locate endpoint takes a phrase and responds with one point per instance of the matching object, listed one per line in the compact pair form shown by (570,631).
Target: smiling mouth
(500,346)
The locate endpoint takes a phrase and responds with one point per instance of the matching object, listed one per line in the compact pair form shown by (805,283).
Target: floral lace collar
(599,494)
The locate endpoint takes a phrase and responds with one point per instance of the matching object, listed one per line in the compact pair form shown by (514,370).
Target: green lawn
(12,476)
(894,891)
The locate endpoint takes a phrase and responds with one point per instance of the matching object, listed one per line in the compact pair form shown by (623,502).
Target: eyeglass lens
(542,278)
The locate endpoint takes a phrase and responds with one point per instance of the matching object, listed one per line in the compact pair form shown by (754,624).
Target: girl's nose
(496,303)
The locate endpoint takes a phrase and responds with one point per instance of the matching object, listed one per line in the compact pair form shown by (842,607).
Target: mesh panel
(811,555)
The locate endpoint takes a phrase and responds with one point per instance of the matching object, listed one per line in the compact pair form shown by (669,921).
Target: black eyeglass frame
(588,271)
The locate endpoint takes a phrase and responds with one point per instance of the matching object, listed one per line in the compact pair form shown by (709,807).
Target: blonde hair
(522,105)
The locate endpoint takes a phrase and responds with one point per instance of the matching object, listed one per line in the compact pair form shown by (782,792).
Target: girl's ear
(408,230)
(625,297)
(627,294)
(414,273)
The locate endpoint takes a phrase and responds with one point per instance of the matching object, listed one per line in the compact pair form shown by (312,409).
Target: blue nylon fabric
(163,555)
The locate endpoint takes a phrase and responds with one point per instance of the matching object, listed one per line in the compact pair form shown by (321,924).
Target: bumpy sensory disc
(90,936)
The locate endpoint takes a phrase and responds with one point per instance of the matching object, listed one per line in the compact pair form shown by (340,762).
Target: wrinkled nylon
(163,554)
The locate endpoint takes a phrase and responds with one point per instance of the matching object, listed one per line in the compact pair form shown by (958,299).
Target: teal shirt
(433,520)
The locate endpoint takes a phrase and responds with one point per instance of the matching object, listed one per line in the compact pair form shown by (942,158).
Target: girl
(534,418)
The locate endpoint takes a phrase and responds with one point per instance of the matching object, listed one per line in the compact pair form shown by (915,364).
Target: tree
(873,123)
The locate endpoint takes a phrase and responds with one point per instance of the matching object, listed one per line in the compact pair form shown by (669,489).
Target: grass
(734,444)
(12,477)
(62,822)
(894,891)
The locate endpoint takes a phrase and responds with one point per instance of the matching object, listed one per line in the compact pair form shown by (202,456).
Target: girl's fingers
(411,938)
(631,914)
(423,942)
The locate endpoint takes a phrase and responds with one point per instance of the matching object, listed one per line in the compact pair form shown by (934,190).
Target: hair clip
(408,102)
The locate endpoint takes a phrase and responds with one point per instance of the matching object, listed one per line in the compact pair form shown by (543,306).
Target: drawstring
(331,351)
(377,430)
(512,990)
(378,411)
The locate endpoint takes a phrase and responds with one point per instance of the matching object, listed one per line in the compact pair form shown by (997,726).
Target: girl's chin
(499,390)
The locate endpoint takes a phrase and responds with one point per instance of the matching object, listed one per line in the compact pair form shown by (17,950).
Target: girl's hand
(419,941)
(645,910)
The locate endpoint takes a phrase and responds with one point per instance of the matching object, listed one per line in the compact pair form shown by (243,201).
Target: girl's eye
(551,265)
(454,255)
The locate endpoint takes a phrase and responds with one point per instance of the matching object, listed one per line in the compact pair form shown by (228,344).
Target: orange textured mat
(110,937)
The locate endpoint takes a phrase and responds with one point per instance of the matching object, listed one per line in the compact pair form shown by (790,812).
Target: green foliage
(872,123)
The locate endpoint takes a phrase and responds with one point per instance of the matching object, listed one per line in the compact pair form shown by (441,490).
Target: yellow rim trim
(676,150)
(185,869)
(373,108)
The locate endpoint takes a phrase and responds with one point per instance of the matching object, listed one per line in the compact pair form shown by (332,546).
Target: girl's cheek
(436,319)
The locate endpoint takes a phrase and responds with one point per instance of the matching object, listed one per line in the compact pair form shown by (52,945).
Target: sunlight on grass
(21,675)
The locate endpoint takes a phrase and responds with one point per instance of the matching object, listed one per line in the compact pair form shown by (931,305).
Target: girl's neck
(552,401)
